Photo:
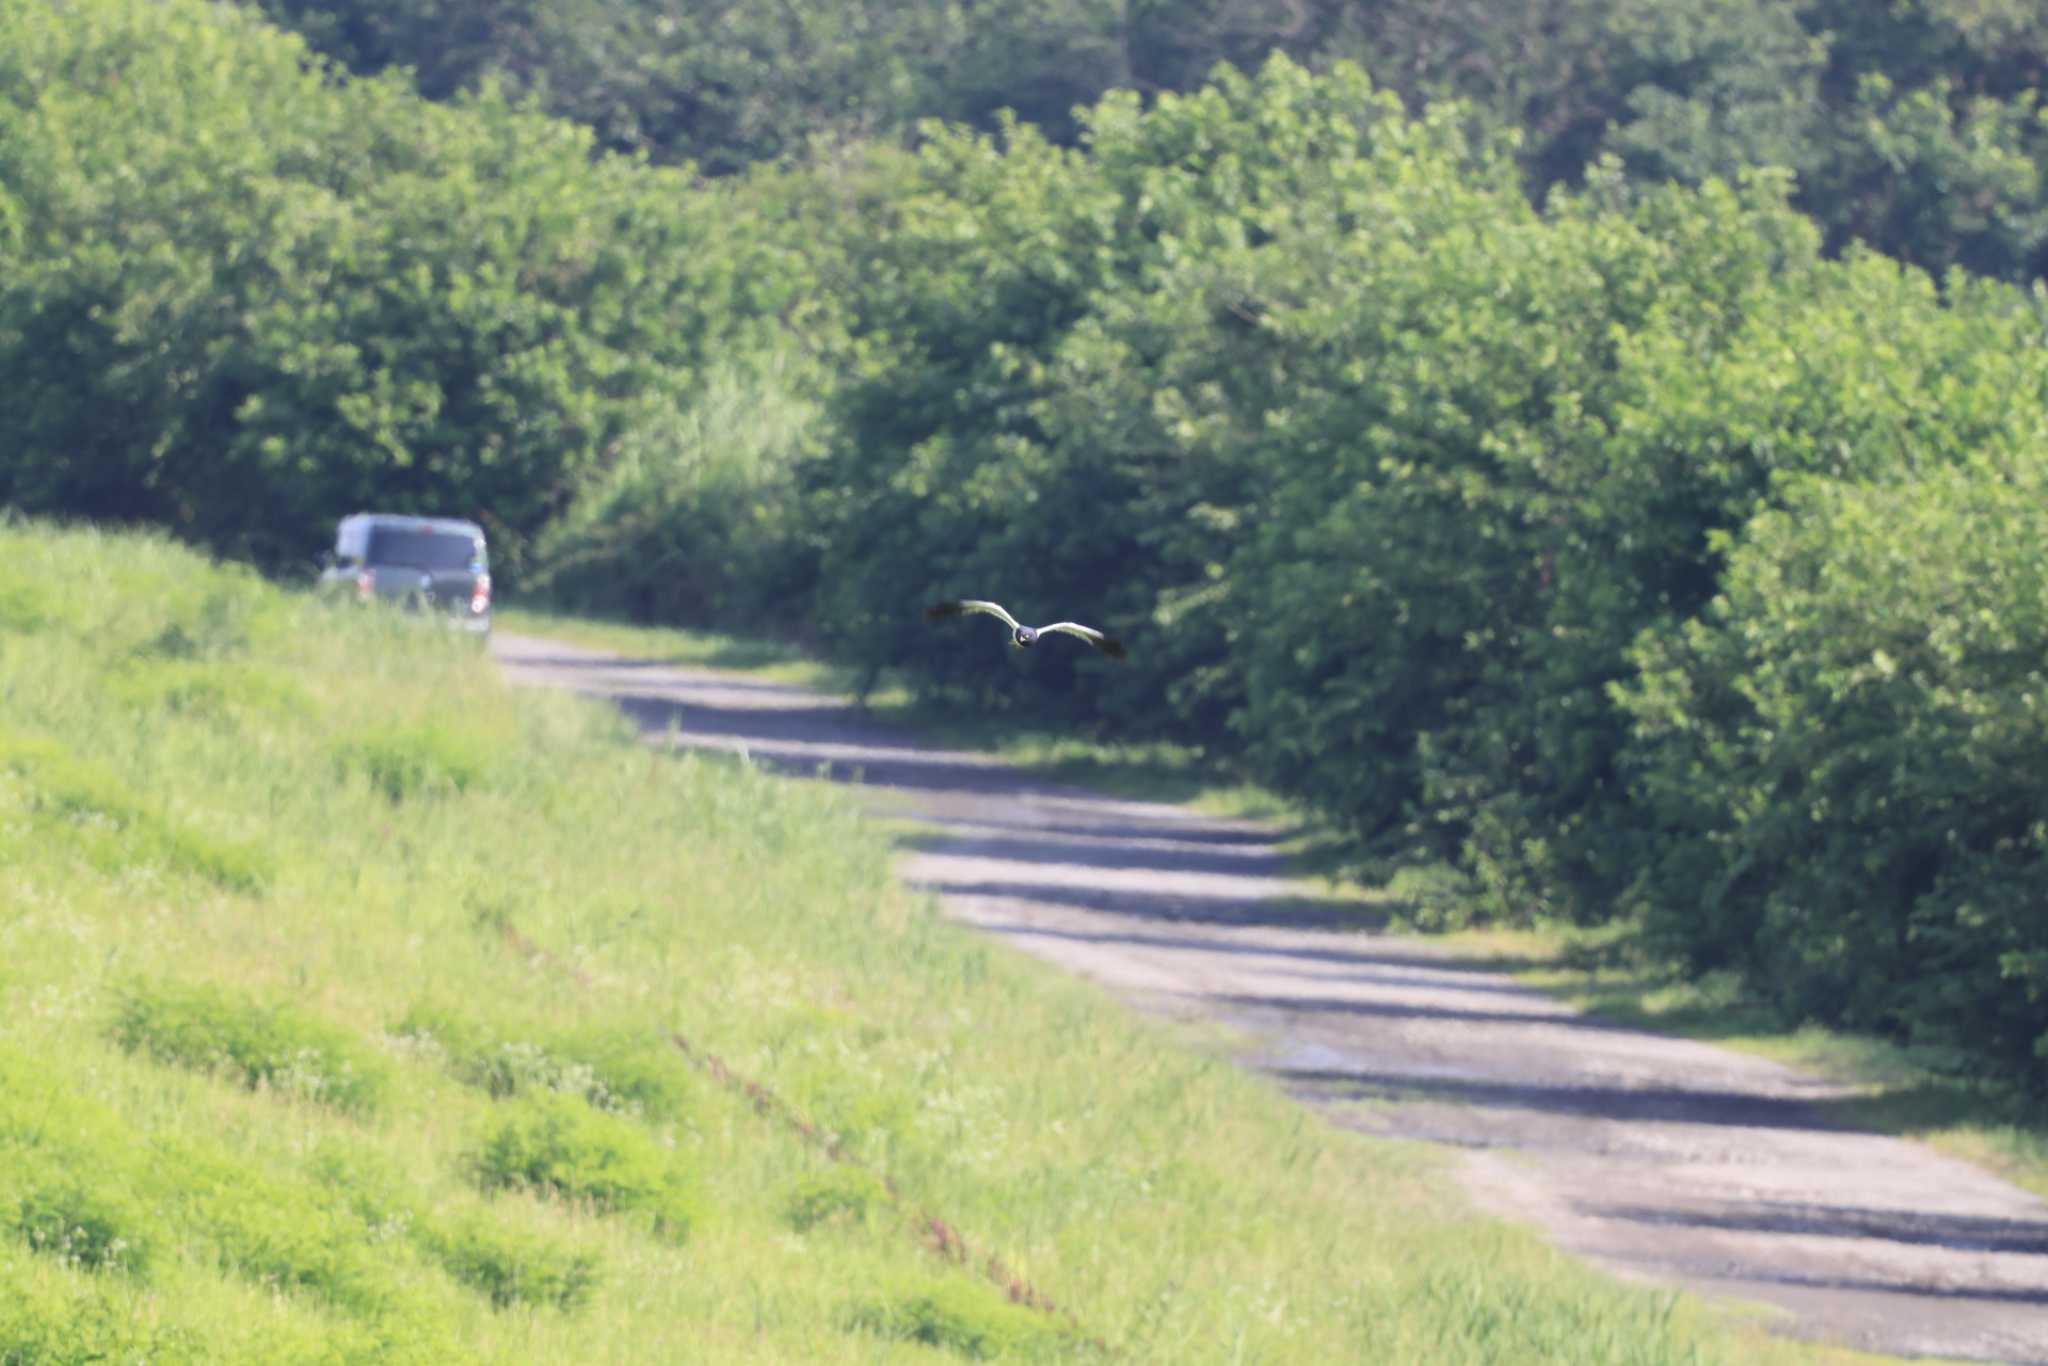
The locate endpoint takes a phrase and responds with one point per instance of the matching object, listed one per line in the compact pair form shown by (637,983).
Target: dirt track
(1657,1158)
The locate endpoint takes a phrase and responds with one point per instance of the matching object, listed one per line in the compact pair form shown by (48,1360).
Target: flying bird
(1022,636)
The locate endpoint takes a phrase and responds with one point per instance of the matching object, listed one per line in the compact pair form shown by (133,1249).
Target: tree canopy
(1915,127)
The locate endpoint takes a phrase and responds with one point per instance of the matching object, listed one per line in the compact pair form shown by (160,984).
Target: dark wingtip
(939,611)
(1111,646)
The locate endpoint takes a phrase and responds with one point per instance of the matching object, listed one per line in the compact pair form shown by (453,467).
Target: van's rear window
(422,549)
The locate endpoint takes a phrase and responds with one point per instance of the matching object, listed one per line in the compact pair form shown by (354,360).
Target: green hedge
(1846,758)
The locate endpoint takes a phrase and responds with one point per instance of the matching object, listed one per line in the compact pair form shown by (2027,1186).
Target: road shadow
(1303,912)
(2012,1295)
(1918,1228)
(1164,850)
(1620,1104)
(1399,1010)
(1345,960)
(1169,824)
(821,742)
(1048,844)
(1070,848)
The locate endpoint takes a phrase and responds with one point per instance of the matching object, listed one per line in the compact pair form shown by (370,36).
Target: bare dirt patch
(1660,1159)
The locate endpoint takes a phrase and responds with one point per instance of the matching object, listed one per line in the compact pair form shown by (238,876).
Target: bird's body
(1022,636)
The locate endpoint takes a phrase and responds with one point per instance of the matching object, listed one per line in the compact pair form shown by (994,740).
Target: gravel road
(1659,1159)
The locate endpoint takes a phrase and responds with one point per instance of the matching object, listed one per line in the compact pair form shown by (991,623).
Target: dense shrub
(1073,374)
(286,1233)
(639,1075)
(96,1226)
(559,1146)
(1755,363)
(79,1181)
(513,1268)
(1847,760)
(506,1263)
(967,1317)
(55,1325)
(69,1177)
(277,1047)
(836,1193)
(697,519)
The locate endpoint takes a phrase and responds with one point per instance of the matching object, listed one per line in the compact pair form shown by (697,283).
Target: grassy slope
(281,1078)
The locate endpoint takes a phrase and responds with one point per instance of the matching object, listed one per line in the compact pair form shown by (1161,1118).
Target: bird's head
(1023,637)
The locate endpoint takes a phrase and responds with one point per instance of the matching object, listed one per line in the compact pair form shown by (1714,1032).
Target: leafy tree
(1914,127)
(1070,370)
(1937,180)
(242,298)
(1845,753)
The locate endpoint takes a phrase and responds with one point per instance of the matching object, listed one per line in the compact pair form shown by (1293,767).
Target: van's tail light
(480,598)
(366,584)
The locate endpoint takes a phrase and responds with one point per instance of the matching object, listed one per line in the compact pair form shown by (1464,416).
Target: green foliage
(514,1268)
(697,518)
(56,1325)
(1844,756)
(967,1317)
(1914,126)
(229,270)
(93,1225)
(560,1146)
(416,762)
(627,1073)
(83,804)
(89,1187)
(273,1047)
(833,1194)
(1064,397)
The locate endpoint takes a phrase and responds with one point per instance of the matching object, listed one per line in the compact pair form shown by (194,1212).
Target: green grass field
(355,1007)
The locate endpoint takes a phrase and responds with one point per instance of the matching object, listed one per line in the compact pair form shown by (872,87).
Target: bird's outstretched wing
(1109,645)
(940,611)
